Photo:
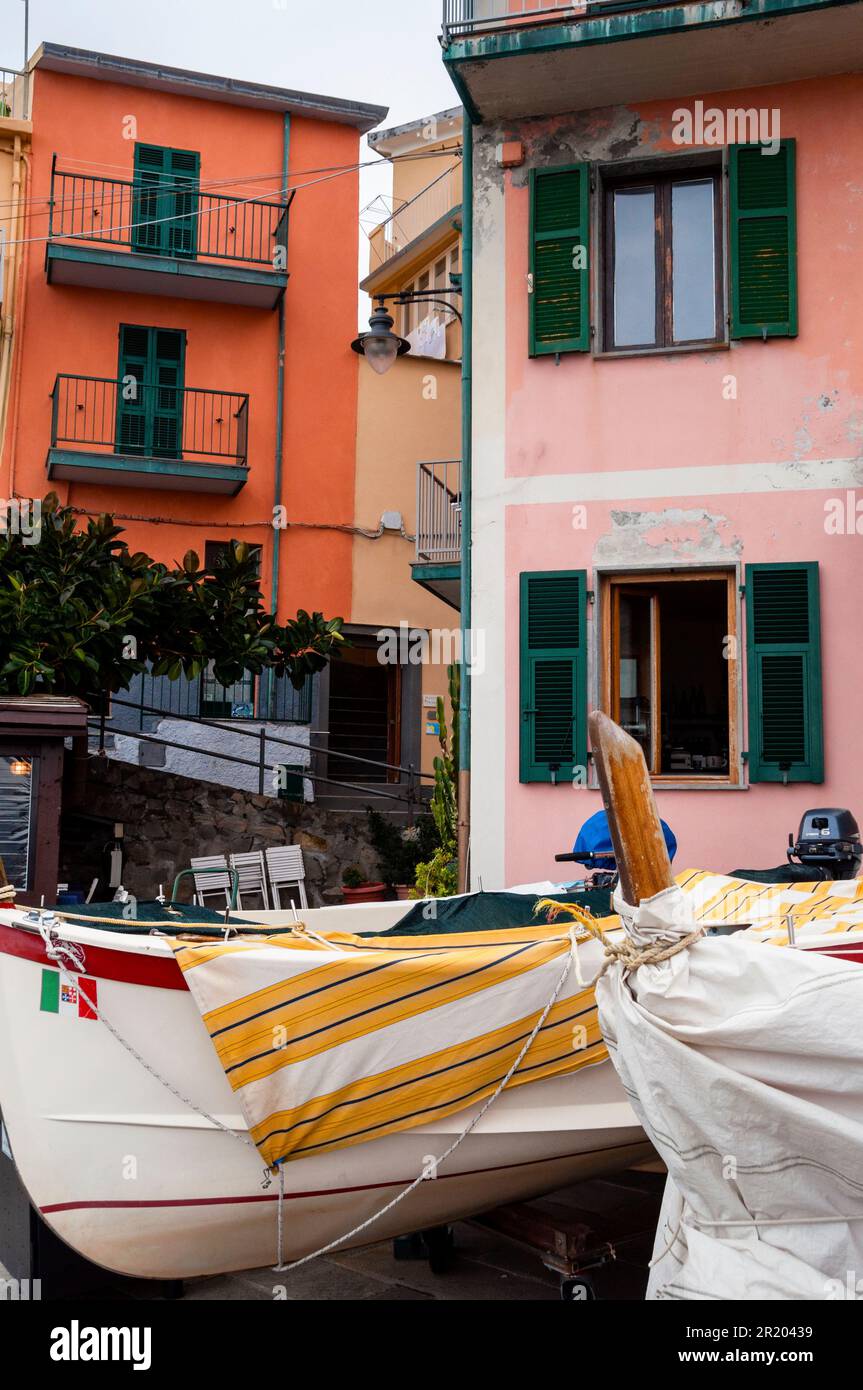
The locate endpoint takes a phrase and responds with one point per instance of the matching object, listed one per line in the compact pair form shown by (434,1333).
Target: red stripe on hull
(128,967)
(332,1191)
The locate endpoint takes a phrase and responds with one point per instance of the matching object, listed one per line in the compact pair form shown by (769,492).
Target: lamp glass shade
(381,351)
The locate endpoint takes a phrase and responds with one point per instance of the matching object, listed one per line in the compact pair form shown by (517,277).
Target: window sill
(702,785)
(679,351)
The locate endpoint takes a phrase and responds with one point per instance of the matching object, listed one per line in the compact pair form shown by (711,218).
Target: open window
(670,670)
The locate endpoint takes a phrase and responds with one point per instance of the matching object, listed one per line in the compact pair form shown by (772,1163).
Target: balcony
(438,540)
(516,58)
(419,224)
(114,234)
(14,95)
(176,438)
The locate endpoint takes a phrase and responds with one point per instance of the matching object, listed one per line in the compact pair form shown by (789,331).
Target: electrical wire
(365,531)
(32,202)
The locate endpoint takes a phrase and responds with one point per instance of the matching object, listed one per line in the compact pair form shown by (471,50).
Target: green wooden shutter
(783,646)
(150,174)
(559,230)
(168,352)
(553,657)
(763,241)
(132,390)
(182,228)
(165,202)
(150,419)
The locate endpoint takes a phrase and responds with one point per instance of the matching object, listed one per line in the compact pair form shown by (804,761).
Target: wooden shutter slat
(152,423)
(784,673)
(763,241)
(559,224)
(553,678)
(165,203)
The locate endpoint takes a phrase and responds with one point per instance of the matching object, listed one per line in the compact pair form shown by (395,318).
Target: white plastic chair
(211,884)
(287,870)
(252,875)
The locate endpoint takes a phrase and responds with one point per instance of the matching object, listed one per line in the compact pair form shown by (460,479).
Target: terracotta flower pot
(403,891)
(366,893)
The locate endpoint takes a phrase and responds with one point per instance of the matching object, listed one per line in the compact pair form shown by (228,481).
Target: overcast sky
(381,51)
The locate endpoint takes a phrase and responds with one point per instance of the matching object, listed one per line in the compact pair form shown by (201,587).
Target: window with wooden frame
(663,259)
(669,674)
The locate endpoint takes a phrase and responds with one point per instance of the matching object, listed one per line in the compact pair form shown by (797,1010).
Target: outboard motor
(828,842)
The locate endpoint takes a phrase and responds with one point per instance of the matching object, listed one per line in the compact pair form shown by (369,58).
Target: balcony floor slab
(133,273)
(166,475)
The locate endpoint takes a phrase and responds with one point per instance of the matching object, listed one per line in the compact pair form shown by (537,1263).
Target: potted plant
(400,849)
(356,888)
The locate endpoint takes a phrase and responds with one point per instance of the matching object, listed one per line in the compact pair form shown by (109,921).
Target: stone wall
(168,818)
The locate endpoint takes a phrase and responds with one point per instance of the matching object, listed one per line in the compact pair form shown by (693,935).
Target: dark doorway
(364,716)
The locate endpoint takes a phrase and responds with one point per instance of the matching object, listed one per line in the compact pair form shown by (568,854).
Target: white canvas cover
(744,1063)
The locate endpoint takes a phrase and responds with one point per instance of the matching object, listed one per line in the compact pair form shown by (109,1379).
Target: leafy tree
(80,614)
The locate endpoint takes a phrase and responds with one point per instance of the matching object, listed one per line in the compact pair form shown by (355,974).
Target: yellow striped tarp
(331,1044)
(336,1044)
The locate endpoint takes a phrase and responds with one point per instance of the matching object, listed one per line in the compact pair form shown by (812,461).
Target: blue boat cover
(594,837)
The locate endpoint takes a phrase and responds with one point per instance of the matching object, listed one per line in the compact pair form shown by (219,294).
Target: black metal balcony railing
(171,220)
(93,414)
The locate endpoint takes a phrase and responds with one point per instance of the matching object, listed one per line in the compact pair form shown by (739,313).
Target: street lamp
(381,346)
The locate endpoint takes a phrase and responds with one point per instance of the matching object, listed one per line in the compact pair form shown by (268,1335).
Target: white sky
(381,51)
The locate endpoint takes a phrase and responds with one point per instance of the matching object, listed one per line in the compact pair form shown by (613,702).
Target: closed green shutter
(783,646)
(553,640)
(763,241)
(150,392)
(165,203)
(559,259)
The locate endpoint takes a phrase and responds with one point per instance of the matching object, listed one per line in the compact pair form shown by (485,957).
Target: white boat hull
(139,1181)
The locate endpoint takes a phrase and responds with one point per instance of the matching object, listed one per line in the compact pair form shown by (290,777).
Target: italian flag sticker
(61,997)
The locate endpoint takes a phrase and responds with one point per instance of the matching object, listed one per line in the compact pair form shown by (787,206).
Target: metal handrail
(260,763)
(93,207)
(438,527)
(420,212)
(256,734)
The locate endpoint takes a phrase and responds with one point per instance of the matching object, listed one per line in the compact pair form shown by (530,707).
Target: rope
(281,1267)
(625,952)
(55,951)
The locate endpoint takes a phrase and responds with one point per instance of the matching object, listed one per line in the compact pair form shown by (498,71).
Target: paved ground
(485,1265)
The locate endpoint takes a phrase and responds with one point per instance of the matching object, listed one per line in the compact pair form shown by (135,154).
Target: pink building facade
(667,442)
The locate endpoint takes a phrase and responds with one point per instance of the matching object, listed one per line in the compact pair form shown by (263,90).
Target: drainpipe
(466,439)
(280,427)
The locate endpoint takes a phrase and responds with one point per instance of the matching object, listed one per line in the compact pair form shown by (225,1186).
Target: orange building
(184,358)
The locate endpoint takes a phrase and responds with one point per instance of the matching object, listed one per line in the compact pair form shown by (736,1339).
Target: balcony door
(165,201)
(150,392)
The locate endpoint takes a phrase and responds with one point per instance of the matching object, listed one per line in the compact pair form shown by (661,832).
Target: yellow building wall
(14,149)
(412,415)
(411,176)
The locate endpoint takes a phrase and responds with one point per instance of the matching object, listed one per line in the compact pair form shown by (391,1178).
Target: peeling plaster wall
(648,461)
